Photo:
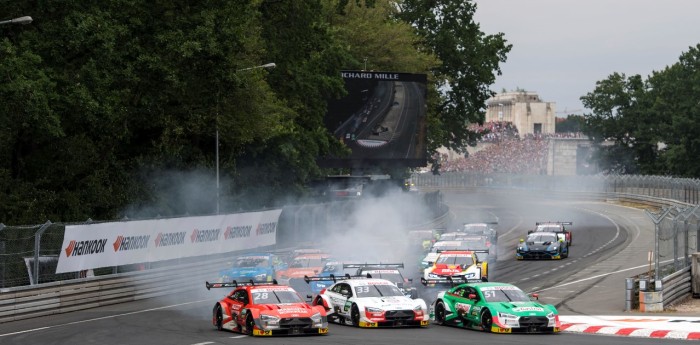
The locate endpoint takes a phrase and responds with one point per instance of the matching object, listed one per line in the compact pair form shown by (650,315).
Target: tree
(652,122)
(470,62)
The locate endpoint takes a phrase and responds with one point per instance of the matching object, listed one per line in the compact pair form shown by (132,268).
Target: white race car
(369,302)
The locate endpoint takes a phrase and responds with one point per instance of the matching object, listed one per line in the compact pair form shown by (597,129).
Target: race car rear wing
(333,278)
(562,223)
(235,284)
(449,281)
(379,265)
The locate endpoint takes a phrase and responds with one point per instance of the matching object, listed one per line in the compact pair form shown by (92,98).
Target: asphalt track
(589,282)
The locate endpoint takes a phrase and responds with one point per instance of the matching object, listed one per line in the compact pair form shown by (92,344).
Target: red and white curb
(687,328)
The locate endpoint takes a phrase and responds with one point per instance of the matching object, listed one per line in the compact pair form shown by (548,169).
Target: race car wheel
(440,313)
(249,325)
(219,318)
(355,316)
(486,320)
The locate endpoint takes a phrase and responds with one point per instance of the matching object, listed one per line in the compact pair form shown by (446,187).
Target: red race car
(266,309)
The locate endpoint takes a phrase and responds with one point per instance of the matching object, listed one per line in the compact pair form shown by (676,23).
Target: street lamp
(267,65)
(20,20)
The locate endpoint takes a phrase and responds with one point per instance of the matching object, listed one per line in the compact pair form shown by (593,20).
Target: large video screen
(381,120)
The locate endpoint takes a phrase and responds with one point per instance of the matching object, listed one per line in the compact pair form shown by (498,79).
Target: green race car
(493,307)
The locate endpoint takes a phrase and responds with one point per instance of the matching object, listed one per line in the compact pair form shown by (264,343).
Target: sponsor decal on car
(519,309)
(463,308)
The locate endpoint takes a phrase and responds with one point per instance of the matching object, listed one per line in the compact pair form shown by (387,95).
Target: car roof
(489,284)
(368,281)
(454,252)
(540,233)
(313,256)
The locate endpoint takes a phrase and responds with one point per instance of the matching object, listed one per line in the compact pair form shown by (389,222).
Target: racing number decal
(260,295)
(489,294)
(362,289)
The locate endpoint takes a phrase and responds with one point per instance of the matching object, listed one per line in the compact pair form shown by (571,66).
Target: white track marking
(204,343)
(104,317)
(238,336)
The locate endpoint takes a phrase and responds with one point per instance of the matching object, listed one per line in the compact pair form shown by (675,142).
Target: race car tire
(486,320)
(319,301)
(355,316)
(440,313)
(249,325)
(219,314)
(566,255)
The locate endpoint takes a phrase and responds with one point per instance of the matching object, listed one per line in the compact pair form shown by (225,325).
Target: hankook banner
(93,246)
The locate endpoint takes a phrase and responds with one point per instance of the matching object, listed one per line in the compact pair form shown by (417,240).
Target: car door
(470,297)
(341,302)
(239,299)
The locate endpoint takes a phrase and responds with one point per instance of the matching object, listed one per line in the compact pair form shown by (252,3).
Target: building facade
(525,110)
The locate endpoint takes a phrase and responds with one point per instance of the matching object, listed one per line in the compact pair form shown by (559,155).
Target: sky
(561,48)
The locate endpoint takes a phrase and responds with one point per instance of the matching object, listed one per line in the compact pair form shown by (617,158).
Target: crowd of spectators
(507,153)
(515,156)
(495,131)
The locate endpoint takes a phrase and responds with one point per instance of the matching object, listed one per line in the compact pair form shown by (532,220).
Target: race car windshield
(377,291)
(307,262)
(276,297)
(474,228)
(542,238)
(251,262)
(510,295)
(548,228)
(455,260)
(443,248)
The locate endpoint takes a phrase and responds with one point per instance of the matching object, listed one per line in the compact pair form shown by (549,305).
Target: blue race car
(542,245)
(259,267)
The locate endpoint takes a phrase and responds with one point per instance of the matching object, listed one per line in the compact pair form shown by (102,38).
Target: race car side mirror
(472,296)
(535,296)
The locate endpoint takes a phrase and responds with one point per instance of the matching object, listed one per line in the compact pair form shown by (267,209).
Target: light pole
(218,194)
(20,20)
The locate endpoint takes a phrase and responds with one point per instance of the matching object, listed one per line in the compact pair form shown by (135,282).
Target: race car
(493,307)
(474,242)
(441,246)
(540,245)
(557,227)
(303,264)
(484,229)
(369,302)
(260,267)
(332,267)
(457,264)
(390,272)
(265,310)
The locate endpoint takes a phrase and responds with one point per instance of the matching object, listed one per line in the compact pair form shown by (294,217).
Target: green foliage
(111,108)
(652,122)
(470,61)
(570,124)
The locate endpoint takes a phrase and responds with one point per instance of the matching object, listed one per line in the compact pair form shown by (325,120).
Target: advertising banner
(91,246)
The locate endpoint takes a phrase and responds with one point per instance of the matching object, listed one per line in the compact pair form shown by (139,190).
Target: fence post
(2,257)
(37,248)
(657,221)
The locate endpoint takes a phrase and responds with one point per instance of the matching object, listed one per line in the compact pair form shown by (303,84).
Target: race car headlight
(508,320)
(552,320)
(374,312)
(317,320)
(270,321)
(433,275)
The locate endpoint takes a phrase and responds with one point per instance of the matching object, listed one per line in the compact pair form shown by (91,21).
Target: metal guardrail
(26,302)
(676,286)
(32,301)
